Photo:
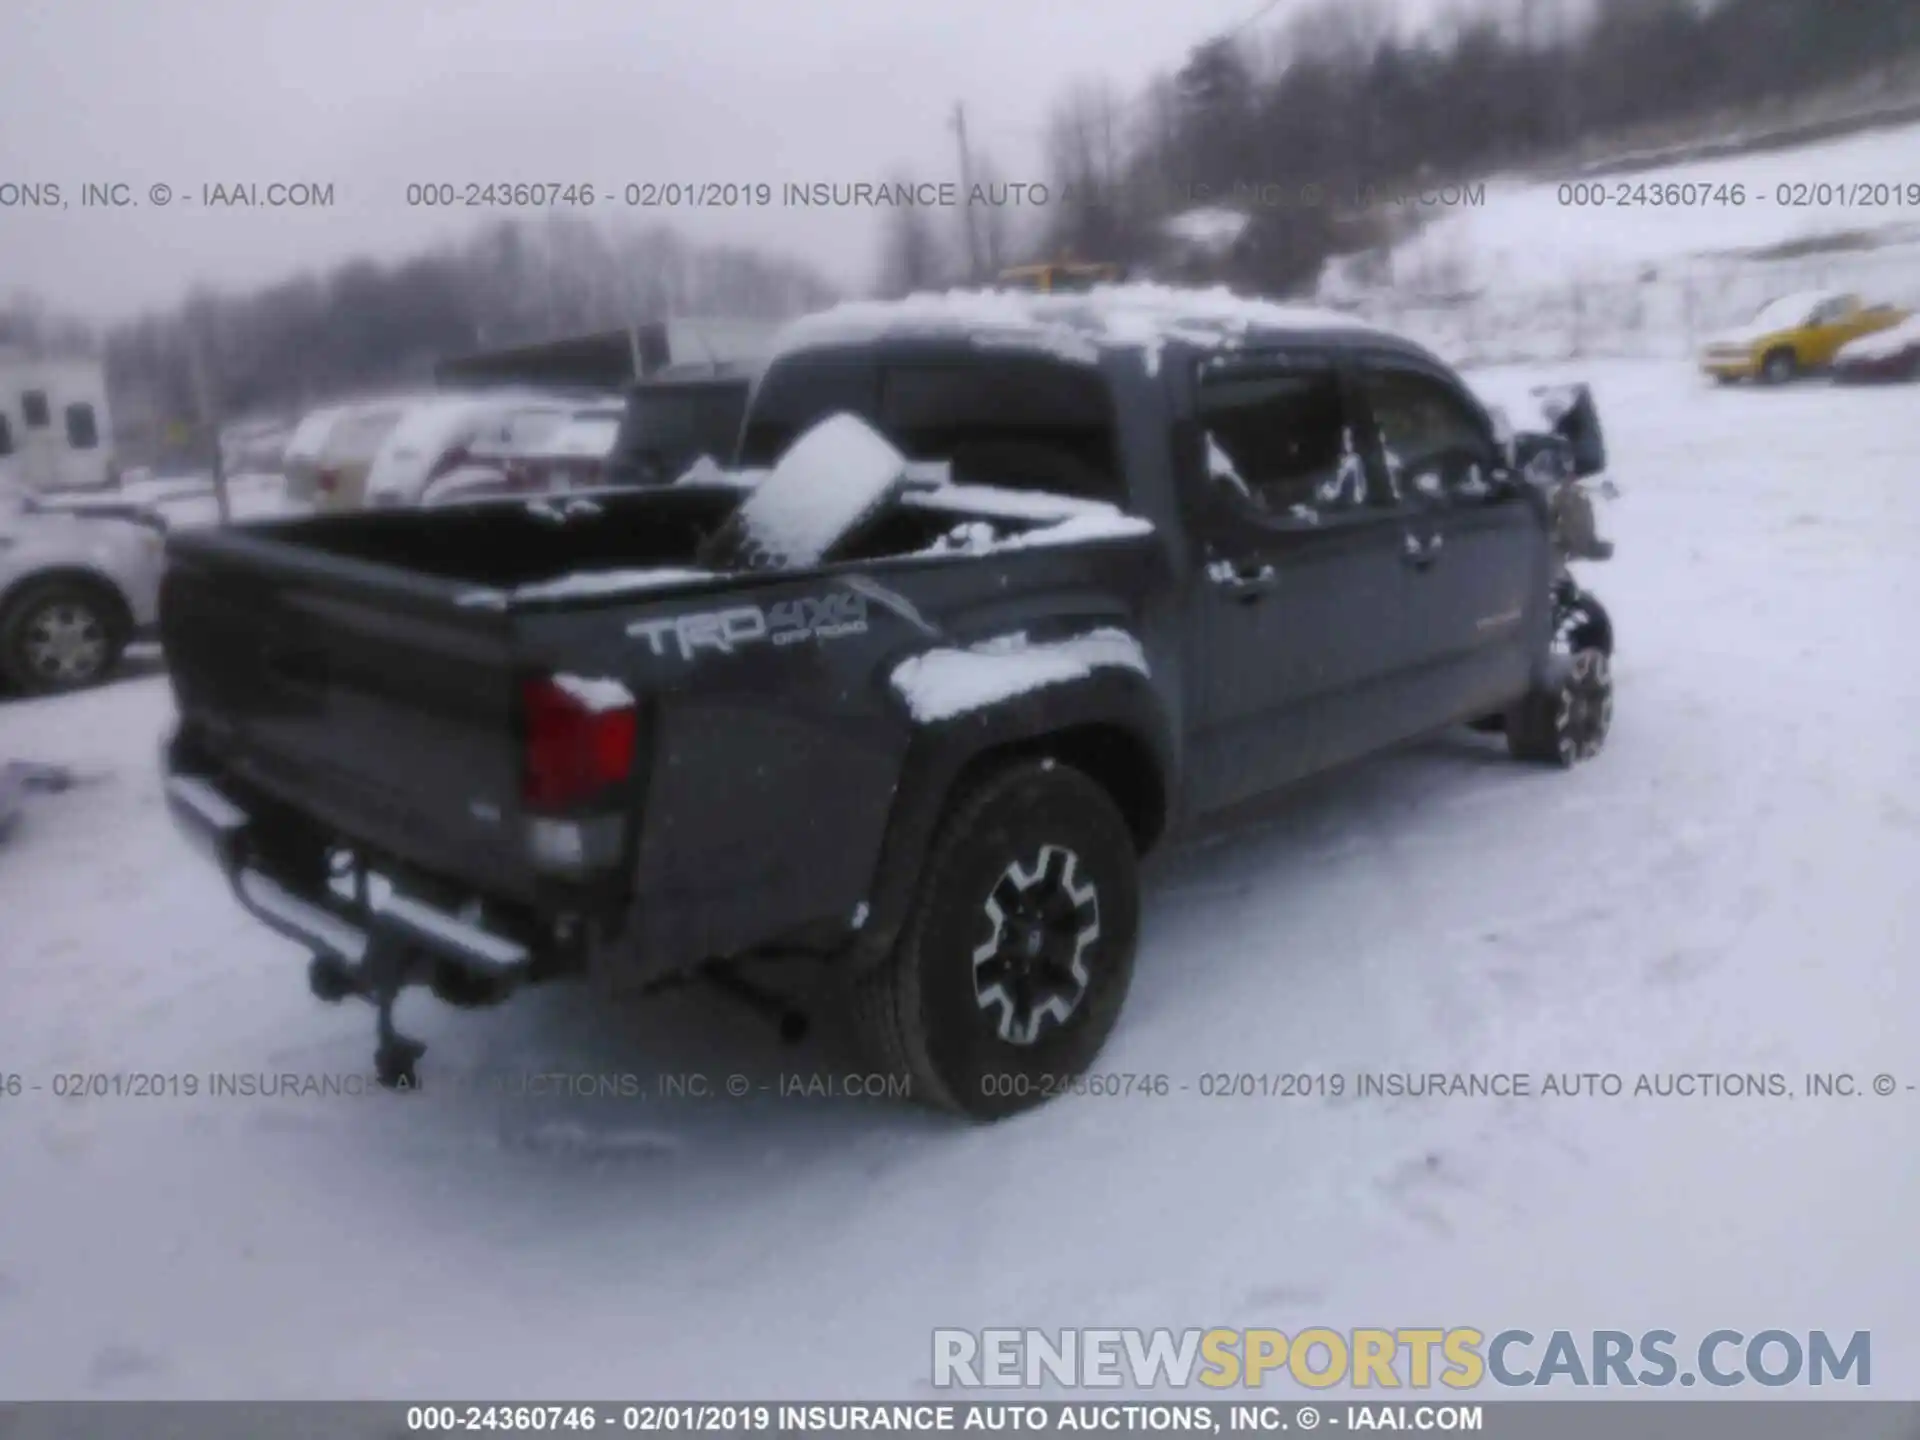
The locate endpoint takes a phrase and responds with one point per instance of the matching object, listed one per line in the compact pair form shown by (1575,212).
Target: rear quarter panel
(781,761)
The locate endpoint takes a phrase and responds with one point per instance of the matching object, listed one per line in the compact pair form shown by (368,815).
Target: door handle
(1421,554)
(1248,585)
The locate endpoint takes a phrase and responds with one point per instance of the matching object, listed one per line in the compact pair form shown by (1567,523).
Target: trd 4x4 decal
(790,622)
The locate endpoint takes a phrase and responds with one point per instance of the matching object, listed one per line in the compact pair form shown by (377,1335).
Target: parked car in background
(340,478)
(300,461)
(77,584)
(1891,354)
(499,461)
(434,438)
(671,421)
(1793,336)
(573,455)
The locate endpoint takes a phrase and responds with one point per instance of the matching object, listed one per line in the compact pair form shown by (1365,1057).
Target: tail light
(577,745)
(327,481)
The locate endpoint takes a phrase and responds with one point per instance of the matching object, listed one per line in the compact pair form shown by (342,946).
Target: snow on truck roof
(1074,326)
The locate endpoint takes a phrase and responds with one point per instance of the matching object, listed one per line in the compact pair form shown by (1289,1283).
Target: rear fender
(1110,724)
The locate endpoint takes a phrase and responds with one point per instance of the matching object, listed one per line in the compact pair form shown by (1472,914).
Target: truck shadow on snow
(692,1080)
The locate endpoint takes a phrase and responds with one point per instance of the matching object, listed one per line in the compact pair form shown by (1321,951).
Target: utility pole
(208,405)
(966,190)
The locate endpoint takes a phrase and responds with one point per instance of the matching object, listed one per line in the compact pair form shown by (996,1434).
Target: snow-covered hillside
(1727,889)
(1649,262)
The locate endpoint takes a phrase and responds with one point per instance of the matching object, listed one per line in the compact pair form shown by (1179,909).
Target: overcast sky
(369,95)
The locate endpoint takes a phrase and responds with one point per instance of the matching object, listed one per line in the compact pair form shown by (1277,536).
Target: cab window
(1018,422)
(797,394)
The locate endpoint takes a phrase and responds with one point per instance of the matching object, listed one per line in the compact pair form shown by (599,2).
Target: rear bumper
(220,827)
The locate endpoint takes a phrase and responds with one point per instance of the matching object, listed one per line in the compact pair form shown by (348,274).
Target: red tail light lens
(327,480)
(574,748)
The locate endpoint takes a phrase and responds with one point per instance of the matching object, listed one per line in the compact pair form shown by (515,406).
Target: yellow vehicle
(1793,336)
(1062,277)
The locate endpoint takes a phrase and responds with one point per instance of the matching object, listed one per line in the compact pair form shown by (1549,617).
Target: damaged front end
(1564,453)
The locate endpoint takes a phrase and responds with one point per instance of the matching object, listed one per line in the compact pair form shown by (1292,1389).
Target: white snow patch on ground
(941,684)
(1209,228)
(1528,234)
(1727,889)
(597,693)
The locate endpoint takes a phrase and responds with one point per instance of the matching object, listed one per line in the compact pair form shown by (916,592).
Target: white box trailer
(55,428)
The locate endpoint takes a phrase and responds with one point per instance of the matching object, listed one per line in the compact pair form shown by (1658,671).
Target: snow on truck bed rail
(941,684)
(851,464)
(1074,327)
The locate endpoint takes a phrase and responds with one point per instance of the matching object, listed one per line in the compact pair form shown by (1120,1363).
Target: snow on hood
(1074,327)
(1883,344)
(941,684)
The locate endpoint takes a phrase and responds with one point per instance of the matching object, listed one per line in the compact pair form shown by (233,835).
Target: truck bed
(362,675)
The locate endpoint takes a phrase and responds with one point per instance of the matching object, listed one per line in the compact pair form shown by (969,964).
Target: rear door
(1473,537)
(1296,623)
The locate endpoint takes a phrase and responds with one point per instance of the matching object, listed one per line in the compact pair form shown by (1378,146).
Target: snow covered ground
(1727,889)
(1542,271)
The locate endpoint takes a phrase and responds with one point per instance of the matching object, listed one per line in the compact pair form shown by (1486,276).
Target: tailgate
(362,697)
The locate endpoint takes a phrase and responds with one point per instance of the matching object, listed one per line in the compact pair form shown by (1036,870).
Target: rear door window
(1278,439)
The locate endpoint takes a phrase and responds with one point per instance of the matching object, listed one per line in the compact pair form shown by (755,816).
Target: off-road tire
(24,664)
(1568,723)
(920,1014)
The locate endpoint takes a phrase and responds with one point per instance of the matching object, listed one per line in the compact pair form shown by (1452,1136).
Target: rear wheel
(1016,960)
(60,635)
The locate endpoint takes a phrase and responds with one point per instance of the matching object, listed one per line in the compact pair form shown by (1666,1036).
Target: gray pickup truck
(1000,593)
